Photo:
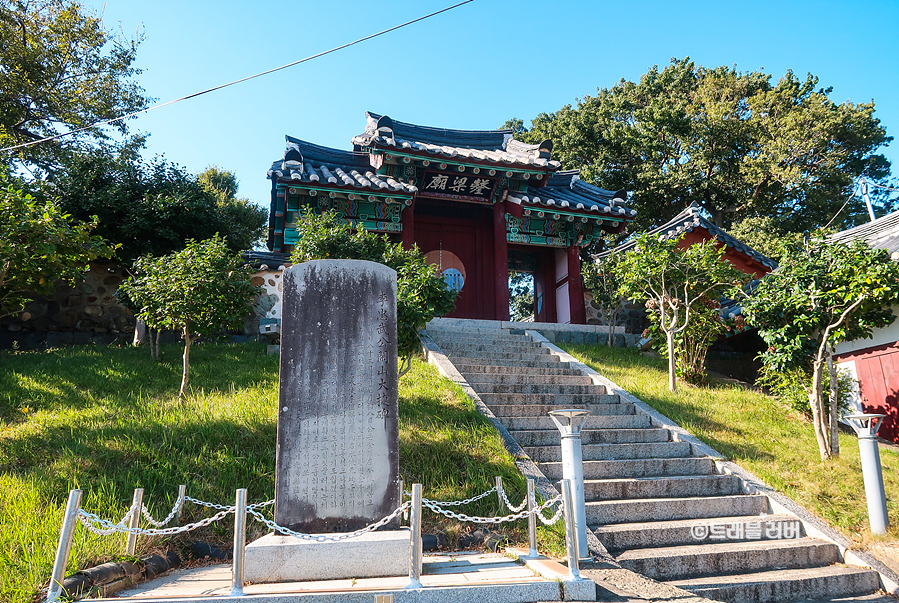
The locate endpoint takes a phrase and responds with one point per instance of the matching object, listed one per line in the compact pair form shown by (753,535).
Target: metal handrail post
(182,494)
(571,543)
(240,541)
(415,539)
(69,521)
(402,495)
(133,522)
(499,490)
(532,521)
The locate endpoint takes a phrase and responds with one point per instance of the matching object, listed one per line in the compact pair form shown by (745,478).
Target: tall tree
(61,70)
(729,140)
(153,208)
(38,245)
(246,219)
(821,294)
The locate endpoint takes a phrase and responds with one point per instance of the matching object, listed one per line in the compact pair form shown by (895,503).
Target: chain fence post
(134,521)
(69,521)
(240,541)
(499,490)
(182,493)
(415,536)
(402,494)
(570,421)
(571,543)
(532,521)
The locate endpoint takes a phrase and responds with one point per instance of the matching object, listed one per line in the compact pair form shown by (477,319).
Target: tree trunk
(187,341)
(672,370)
(140,333)
(834,400)
(815,399)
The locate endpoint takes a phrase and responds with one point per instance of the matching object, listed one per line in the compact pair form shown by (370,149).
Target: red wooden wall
(878,375)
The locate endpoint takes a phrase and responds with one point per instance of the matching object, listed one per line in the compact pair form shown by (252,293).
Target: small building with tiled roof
(696,228)
(874,362)
(477,203)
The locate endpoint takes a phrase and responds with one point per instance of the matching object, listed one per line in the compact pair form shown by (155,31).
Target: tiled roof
(494,146)
(685,222)
(565,190)
(309,163)
(882,233)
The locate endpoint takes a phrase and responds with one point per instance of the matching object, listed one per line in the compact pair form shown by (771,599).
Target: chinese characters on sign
(455,186)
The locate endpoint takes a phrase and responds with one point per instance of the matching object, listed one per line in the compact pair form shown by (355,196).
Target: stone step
(622,536)
(541,361)
(490,379)
(683,486)
(637,468)
(678,562)
(605,512)
(485,349)
(603,422)
(550,436)
(537,388)
(600,452)
(500,357)
(573,400)
(877,597)
(783,586)
(538,410)
(477,339)
(492,369)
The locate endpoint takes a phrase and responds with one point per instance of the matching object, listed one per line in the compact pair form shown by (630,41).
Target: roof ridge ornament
(545,149)
(293,159)
(384,127)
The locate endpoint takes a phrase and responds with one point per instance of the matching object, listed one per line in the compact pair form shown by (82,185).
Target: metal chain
(115,527)
(159,524)
(456,503)
(523,504)
(208,504)
(322,538)
(89,519)
(554,518)
(261,505)
(475,519)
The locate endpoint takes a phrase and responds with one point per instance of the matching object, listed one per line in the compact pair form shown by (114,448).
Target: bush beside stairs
(646,490)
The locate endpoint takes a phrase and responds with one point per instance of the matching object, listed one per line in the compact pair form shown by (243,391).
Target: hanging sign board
(467,187)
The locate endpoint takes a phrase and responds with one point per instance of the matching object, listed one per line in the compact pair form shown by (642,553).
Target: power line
(244,79)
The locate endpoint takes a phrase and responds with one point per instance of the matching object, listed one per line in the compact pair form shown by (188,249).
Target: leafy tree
(153,208)
(763,234)
(521,295)
(821,294)
(421,293)
(198,291)
(729,140)
(675,281)
(247,220)
(61,70)
(602,281)
(38,245)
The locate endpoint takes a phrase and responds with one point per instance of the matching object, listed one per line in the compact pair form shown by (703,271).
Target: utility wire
(207,91)
(849,198)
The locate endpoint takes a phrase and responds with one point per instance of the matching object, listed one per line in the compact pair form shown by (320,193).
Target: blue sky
(473,67)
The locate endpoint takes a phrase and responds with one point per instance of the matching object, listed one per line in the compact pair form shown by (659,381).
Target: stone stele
(337,465)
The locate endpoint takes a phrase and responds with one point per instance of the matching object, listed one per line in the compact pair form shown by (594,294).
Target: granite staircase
(660,510)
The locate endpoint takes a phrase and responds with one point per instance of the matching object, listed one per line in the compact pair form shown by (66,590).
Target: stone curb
(779,503)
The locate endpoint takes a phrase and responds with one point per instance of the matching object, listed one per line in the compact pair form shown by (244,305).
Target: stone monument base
(277,558)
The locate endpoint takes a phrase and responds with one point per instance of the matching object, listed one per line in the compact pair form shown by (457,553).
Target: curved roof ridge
(322,154)
(481,139)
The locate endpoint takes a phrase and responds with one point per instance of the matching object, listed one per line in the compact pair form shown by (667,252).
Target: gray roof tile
(882,233)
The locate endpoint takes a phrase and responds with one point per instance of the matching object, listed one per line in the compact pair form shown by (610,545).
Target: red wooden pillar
(576,287)
(407,236)
(500,261)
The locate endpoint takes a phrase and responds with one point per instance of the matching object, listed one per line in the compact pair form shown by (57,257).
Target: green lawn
(107,420)
(756,432)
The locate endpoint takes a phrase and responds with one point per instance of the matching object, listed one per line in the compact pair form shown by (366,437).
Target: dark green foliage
(61,70)
(153,208)
(601,280)
(38,245)
(731,141)
(521,295)
(421,292)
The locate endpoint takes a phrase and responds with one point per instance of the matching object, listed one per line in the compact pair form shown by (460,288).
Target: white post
(240,541)
(182,493)
(532,521)
(133,522)
(866,426)
(402,496)
(69,521)
(569,422)
(571,544)
(499,490)
(415,536)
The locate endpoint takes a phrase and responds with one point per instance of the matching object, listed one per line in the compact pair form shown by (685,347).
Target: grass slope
(755,431)
(107,420)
